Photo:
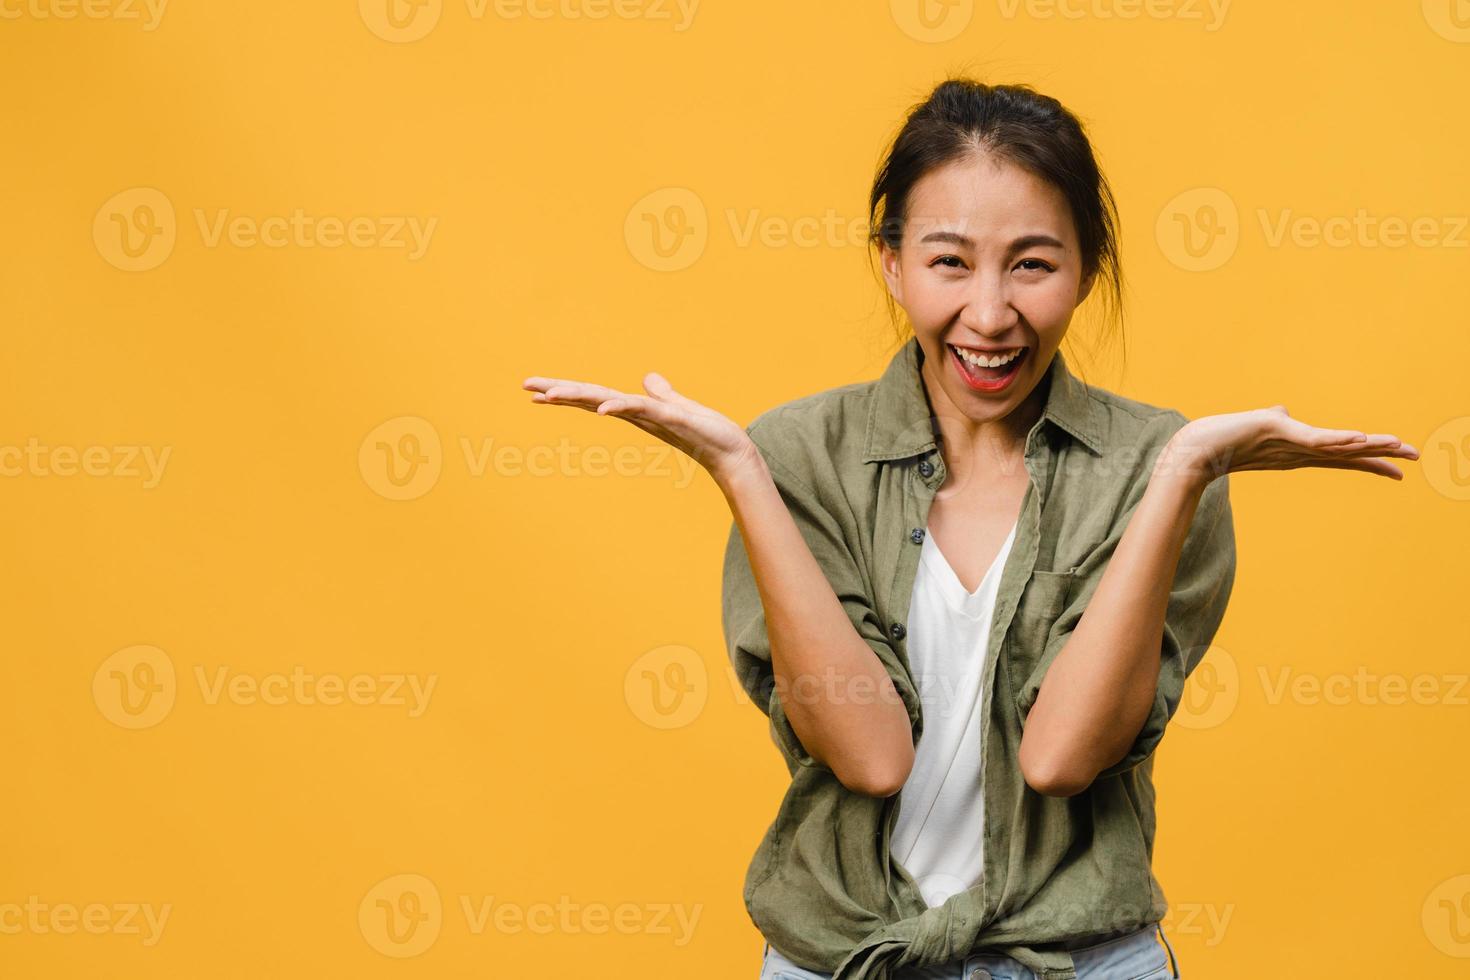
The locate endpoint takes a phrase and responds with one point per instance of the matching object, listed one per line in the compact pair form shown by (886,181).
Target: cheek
(1048,303)
(926,306)
(928,298)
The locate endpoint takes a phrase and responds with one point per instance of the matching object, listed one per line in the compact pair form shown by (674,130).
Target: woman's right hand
(713,441)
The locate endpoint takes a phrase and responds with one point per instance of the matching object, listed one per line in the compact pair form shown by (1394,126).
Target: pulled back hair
(962,117)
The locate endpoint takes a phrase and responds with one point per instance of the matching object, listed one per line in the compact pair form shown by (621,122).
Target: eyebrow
(1019,245)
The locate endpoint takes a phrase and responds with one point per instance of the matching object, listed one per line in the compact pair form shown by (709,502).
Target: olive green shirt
(858,467)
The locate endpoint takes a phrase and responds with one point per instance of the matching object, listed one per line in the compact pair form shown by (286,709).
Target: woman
(967,594)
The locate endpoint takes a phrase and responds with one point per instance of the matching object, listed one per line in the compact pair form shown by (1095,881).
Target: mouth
(988,372)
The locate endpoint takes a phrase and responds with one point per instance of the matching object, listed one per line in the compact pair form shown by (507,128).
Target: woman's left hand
(1270,439)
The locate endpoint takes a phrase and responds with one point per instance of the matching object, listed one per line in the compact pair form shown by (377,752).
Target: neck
(965,441)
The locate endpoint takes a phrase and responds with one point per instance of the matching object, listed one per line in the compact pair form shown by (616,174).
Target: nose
(988,309)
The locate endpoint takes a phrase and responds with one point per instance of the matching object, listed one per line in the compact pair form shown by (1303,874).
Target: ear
(892,275)
(1084,288)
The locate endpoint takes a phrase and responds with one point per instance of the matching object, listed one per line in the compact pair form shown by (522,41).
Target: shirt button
(897,631)
(926,468)
(917,535)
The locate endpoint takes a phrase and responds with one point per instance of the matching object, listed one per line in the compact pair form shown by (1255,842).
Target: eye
(1037,265)
(946,259)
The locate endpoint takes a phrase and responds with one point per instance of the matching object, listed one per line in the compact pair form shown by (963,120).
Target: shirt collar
(900,421)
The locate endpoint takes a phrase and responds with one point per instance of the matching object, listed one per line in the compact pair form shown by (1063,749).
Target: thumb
(658,386)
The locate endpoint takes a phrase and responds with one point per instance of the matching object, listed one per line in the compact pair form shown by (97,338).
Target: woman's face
(989,264)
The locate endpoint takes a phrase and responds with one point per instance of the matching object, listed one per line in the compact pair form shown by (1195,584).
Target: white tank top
(938,836)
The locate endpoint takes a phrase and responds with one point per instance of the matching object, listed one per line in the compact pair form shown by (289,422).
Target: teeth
(992,362)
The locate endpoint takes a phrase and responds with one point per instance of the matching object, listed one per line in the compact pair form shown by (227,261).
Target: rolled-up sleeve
(743,614)
(1198,597)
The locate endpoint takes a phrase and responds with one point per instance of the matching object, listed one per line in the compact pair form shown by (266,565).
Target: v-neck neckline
(970,603)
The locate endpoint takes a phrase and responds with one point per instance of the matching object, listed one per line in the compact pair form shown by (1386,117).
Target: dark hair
(1018,124)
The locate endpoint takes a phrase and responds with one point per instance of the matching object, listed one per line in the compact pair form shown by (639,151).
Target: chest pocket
(1041,603)
(1044,597)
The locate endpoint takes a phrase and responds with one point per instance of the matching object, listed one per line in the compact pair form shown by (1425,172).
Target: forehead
(986,196)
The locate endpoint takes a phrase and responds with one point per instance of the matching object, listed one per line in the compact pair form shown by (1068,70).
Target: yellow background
(540,587)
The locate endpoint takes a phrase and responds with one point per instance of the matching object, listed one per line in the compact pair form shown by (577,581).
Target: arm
(834,698)
(795,606)
(1103,684)
(1137,635)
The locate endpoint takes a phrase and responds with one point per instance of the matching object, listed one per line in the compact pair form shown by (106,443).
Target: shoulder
(1127,423)
(1132,433)
(818,435)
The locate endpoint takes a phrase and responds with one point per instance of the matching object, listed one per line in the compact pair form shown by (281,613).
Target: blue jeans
(1136,956)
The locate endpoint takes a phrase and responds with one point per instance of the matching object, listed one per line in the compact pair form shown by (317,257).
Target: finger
(658,386)
(646,426)
(581,394)
(1378,466)
(587,405)
(566,388)
(1316,436)
(1365,448)
(1334,437)
(1392,447)
(649,415)
(637,406)
(1338,440)
(541,383)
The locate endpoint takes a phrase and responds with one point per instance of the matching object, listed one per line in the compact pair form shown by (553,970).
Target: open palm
(1270,439)
(713,441)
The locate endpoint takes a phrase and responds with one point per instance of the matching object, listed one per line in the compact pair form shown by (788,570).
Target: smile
(987,371)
